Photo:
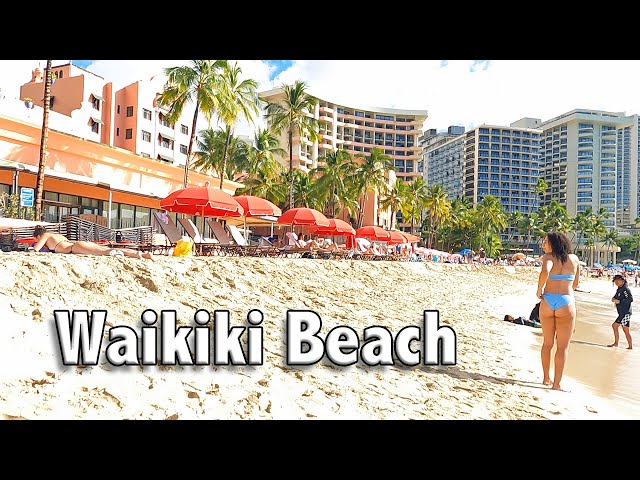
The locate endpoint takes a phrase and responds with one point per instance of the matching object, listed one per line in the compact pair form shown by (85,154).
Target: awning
(168,136)
(165,158)
(97,120)
(95,95)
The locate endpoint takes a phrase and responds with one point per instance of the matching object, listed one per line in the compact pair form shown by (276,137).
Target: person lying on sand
(58,243)
(521,321)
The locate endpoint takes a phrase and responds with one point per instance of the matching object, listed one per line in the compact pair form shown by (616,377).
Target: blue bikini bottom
(557,300)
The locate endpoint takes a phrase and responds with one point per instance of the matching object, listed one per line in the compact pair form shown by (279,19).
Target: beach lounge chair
(254,250)
(171,233)
(204,245)
(226,246)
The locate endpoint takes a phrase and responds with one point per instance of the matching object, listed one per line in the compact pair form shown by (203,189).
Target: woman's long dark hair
(560,245)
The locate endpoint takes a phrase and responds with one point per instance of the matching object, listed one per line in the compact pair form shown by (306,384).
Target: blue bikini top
(561,276)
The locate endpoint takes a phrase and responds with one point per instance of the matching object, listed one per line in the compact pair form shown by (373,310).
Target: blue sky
(82,63)
(453,92)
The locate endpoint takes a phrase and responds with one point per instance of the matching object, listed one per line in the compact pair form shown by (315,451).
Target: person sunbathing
(58,243)
(522,321)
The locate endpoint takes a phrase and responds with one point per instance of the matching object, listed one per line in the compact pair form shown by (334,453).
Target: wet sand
(610,373)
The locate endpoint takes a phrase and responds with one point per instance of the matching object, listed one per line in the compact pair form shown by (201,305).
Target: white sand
(497,373)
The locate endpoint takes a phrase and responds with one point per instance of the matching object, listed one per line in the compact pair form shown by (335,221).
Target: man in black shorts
(622,299)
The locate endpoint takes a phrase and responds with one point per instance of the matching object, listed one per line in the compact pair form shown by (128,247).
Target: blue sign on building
(26,197)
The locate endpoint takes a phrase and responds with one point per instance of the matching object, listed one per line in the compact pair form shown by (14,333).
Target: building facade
(358,130)
(443,159)
(84,176)
(584,154)
(503,162)
(127,117)
(628,162)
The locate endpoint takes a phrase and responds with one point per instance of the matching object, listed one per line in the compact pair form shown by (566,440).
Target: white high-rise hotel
(590,160)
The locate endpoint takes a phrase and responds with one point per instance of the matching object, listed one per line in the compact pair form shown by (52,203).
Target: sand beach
(496,376)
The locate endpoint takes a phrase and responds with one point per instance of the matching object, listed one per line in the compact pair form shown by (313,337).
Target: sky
(453,92)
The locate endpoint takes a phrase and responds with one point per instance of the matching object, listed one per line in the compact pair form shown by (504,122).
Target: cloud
(454,92)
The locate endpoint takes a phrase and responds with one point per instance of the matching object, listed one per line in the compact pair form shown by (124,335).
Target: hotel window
(183,149)
(117,132)
(184,129)
(161,120)
(118,109)
(96,103)
(146,136)
(130,112)
(128,133)
(95,127)
(146,114)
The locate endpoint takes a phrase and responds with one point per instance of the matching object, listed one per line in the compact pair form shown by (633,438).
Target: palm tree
(200,83)
(295,115)
(332,173)
(238,100)
(417,192)
(541,188)
(43,141)
(491,219)
(609,240)
(393,199)
(210,154)
(371,175)
(262,165)
(437,208)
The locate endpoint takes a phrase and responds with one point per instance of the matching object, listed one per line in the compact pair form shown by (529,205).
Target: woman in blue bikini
(558,279)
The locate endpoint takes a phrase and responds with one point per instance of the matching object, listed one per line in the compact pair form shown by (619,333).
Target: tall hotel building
(489,160)
(628,186)
(443,161)
(127,118)
(590,159)
(358,130)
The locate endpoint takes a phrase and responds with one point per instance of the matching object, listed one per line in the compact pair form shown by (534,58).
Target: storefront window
(127,216)
(143,216)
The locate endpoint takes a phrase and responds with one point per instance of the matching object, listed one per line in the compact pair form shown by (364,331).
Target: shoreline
(579,380)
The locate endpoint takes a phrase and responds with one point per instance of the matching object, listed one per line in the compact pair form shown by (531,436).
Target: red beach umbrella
(303,216)
(373,232)
(204,201)
(257,207)
(336,227)
(397,237)
(411,238)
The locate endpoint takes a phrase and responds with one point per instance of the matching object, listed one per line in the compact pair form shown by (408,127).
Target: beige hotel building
(358,130)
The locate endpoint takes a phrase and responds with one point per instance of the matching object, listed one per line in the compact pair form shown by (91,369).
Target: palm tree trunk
(291,199)
(224,157)
(43,141)
(191,140)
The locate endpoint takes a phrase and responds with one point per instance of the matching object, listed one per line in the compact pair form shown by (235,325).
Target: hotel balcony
(326,110)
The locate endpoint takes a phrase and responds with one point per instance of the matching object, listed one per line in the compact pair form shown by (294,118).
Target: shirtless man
(58,243)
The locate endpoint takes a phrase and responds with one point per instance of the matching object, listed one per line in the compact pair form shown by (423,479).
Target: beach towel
(183,248)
